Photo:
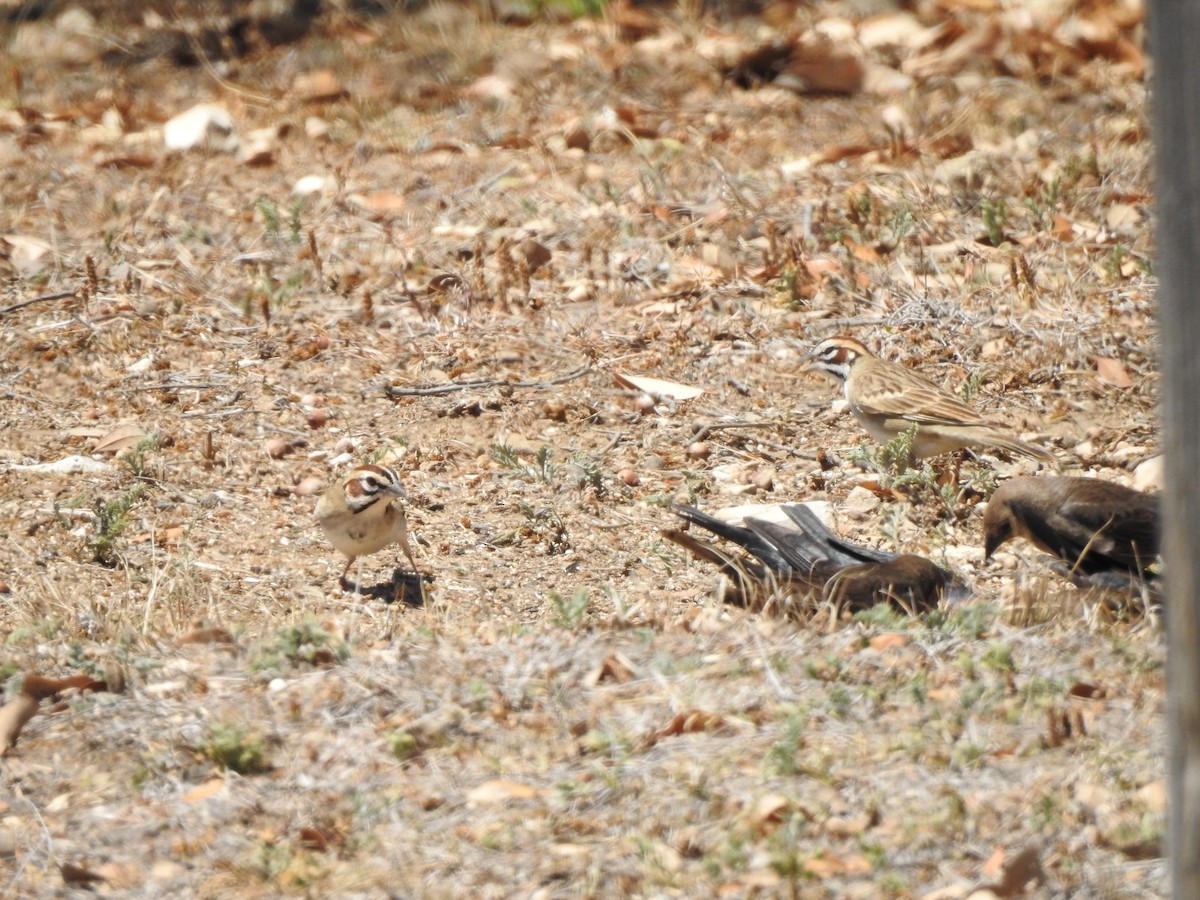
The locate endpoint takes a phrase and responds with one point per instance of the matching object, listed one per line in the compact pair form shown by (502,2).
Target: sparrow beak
(990,545)
(397,490)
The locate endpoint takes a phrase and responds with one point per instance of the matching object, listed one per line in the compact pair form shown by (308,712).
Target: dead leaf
(614,667)
(1123,217)
(314,839)
(1015,873)
(829,864)
(888,641)
(656,386)
(768,811)
(120,438)
(535,254)
(207,636)
(1111,371)
(204,125)
(1087,691)
(500,790)
(13,716)
(379,202)
(41,687)
(73,874)
(202,792)
(690,722)
(26,253)
(321,86)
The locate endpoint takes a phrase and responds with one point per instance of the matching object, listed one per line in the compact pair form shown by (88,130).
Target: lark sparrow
(888,400)
(807,555)
(1094,526)
(360,514)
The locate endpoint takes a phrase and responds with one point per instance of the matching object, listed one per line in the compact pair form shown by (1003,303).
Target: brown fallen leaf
(768,811)
(614,667)
(41,687)
(500,790)
(203,791)
(13,716)
(321,86)
(888,641)
(207,636)
(121,438)
(1087,691)
(656,386)
(1111,371)
(689,722)
(1015,872)
(73,874)
(829,864)
(379,202)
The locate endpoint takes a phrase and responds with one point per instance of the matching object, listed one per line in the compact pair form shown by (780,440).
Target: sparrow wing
(804,558)
(823,542)
(748,540)
(899,393)
(1124,534)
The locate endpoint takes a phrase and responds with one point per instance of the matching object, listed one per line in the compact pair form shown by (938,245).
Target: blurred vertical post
(1174,25)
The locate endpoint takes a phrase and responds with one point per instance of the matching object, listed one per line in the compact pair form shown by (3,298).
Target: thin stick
(61,295)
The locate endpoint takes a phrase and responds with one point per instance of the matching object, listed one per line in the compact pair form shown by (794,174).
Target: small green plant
(838,700)
(112,518)
(589,473)
(892,458)
(884,616)
(999,658)
(295,223)
(541,469)
(972,621)
(232,747)
(270,213)
(967,755)
(995,220)
(970,387)
(403,744)
(303,643)
(135,457)
(902,223)
(570,612)
(783,757)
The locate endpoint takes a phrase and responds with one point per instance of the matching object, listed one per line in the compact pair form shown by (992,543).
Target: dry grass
(573,712)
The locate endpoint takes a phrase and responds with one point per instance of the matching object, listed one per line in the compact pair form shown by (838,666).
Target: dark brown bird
(1098,528)
(807,555)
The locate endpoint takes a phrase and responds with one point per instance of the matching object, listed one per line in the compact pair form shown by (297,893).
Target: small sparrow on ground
(361,513)
(1096,527)
(807,555)
(888,400)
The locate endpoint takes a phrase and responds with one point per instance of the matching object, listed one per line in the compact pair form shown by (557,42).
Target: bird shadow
(403,587)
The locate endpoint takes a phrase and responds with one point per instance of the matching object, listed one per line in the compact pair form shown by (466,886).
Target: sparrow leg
(407,548)
(345,582)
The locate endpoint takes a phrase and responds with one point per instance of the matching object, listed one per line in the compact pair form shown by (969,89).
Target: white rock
(69,465)
(205,124)
(1148,476)
(313,184)
(859,502)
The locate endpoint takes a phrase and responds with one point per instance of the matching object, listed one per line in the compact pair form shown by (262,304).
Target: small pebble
(763,479)
(309,486)
(699,450)
(316,418)
(629,477)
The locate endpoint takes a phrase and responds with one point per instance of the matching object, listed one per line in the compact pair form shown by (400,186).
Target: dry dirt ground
(504,215)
